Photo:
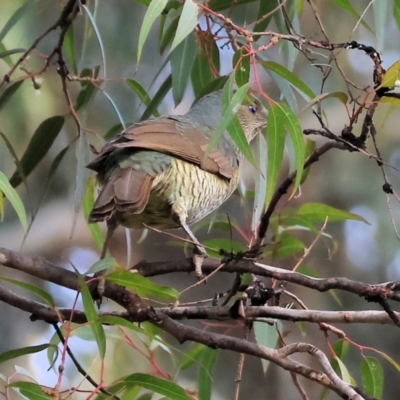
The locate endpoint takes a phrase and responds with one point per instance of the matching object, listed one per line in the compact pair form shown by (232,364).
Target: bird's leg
(179,213)
(111,226)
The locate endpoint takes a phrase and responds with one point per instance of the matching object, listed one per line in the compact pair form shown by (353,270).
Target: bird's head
(252,116)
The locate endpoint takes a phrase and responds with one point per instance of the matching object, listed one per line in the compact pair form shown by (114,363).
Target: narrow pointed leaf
(319,212)
(142,286)
(14,199)
(101,265)
(264,10)
(208,359)
(157,385)
(187,22)
(82,174)
(260,180)
(267,336)
(8,93)
(88,89)
(158,97)
(141,92)
(87,205)
(293,126)
(98,37)
(30,390)
(38,147)
(154,10)
(227,116)
(15,18)
(276,145)
(372,377)
(168,35)
(290,77)
(346,5)
(241,66)
(391,76)
(33,289)
(380,9)
(182,59)
(92,317)
(396,12)
(69,48)
(9,355)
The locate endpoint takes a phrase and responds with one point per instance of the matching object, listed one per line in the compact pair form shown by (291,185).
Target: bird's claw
(199,255)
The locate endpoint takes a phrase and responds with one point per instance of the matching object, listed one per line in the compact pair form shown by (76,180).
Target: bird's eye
(253,109)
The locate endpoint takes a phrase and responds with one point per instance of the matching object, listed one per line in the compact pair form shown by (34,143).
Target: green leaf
(141,92)
(290,77)
(87,205)
(207,63)
(319,212)
(267,336)
(293,126)
(372,377)
(396,12)
(341,96)
(187,22)
(276,145)
(265,8)
(15,158)
(223,244)
(15,18)
(228,114)
(82,152)
(286,246)
(208,359)
(391,76)
(51,172)
(88,89)
(260,181)
(6,53)
(9,355)
(8,93)
(101,265)
(158,97)
(344,372)
(182,59)
(218,5)
(213,86)
(192,356)
(142,286)
(38,147)
(241,66)
(309,149)
(98,37)
(92,317)
(346,5)
(113,131)
(69,48)
(33,289)
(380,18)
(30,390)
(168,35)
(155,9)
(157,385)
(14,199)
(118,321)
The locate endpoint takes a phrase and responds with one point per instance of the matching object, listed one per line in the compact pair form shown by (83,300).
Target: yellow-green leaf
(14,199)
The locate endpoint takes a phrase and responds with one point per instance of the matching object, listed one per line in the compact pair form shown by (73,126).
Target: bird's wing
(126,191)
(176,138)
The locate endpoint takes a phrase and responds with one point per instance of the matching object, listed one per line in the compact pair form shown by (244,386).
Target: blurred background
(349,181)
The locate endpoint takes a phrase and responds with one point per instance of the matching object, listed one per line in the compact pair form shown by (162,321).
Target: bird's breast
(199,191)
